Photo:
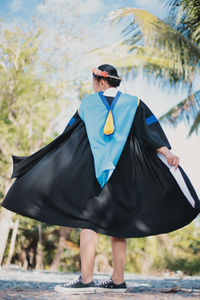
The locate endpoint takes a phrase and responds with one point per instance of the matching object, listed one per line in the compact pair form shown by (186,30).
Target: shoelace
(73,281)
(105,281)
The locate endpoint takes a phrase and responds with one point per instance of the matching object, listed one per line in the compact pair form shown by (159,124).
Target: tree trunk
(39,257)
(63,231)
(12,243)
(5,224)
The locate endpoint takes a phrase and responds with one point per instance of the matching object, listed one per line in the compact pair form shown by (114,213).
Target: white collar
(112,91)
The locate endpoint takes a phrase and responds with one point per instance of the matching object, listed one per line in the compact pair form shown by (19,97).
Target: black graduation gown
(57,184)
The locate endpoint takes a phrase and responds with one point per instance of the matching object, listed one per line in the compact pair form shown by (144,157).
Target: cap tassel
(109,124)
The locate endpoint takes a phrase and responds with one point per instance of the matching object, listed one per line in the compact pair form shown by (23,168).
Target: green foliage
(28,103)
(183,253)
(177,250)
(29,106)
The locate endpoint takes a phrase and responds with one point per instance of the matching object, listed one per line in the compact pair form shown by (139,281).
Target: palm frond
(147,30)
(151,61)
(195,125)
(187,110)
(187,14)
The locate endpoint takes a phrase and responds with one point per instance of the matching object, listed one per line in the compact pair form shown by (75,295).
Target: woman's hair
(111,71)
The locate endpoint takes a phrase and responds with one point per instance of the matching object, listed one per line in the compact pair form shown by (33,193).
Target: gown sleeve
(148,129)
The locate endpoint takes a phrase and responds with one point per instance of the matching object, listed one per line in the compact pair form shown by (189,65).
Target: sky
(92,14)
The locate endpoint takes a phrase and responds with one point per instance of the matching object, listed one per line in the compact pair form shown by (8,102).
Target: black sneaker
(75,286)
(109,286)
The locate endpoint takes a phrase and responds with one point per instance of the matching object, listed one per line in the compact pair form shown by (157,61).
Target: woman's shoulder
(142,105)
(143,111)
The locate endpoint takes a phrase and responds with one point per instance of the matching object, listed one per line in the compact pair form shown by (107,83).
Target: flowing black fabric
(57,184)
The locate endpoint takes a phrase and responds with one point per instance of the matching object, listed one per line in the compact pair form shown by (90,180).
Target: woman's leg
(119,258)
(88,243)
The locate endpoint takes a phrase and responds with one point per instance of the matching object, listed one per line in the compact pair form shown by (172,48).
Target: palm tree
(168,50)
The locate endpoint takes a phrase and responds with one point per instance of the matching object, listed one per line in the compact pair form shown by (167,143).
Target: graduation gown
(143,196)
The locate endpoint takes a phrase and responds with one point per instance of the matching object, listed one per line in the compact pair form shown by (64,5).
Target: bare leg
(119,258)
(88,243)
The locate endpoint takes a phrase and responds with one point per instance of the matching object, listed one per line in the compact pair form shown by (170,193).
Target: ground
(18,284)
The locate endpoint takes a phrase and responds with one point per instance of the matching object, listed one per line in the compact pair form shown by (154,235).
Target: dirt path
(18,284)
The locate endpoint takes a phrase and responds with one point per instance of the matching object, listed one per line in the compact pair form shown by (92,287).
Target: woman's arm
(148,129)
(172,159)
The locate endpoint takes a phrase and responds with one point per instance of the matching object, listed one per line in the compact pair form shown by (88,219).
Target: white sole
(101,290)
(66,290)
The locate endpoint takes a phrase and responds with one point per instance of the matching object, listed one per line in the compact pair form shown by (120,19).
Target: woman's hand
(172,159)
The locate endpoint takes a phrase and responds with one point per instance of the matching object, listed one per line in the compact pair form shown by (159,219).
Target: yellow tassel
(109,124)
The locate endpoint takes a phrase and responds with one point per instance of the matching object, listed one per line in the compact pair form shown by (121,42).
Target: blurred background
(47,51)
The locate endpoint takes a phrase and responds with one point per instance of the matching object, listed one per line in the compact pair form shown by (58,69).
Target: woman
(111,171)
